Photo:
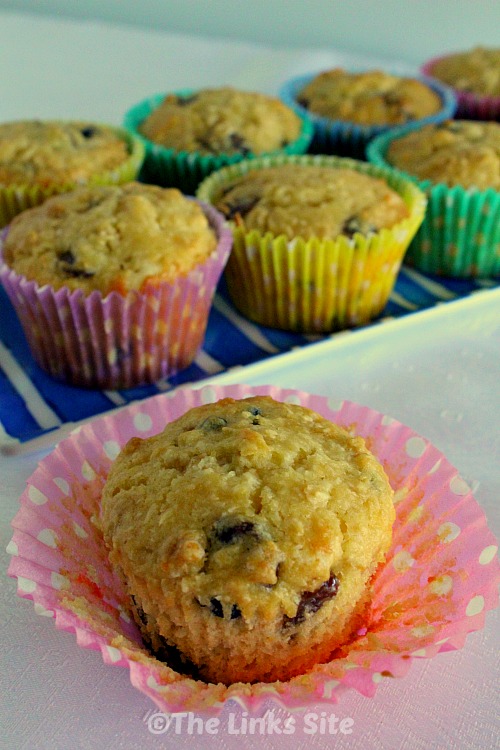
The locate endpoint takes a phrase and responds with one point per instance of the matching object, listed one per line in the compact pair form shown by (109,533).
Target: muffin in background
(247,533)
(113,284)
(457,164)
(318,240)
(474,75)
(190,133)
(348,108)
(40,158)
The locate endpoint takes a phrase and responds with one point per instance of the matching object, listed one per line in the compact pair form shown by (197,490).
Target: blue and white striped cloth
(32,403)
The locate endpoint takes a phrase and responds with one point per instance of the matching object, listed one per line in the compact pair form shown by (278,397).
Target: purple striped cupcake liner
(119,341)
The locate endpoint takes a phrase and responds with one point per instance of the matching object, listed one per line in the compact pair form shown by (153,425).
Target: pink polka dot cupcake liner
(470,106)
(119,341)
(440,577)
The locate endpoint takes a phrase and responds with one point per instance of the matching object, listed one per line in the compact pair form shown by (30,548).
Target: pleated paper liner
(470,106)
(349,138)
(17,198)
(119,341)
(440,577)
(315,285)
(460,234)
(182,169)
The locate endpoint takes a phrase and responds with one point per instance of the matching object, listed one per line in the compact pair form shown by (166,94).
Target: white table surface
(438,372)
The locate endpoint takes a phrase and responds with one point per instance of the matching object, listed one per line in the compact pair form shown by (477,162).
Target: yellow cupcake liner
(17,198)
(315,285)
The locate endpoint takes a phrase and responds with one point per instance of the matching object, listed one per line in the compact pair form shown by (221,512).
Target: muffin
(458,164)
(474,75)
(189,133)
(40,158)
(349,108)
(247,533)
(318,241)
(113,284)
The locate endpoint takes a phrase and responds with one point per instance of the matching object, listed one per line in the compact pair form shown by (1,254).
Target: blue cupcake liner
(348,138)
(460,234)
(185,170)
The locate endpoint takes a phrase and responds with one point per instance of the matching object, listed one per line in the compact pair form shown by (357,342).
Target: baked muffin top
(455,152)
(476,71)
(309,200)
(57,153)
(252,509)
(368,98)
(109,238)
(222,121)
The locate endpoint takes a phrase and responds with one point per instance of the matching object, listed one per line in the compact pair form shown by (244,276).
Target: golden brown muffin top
(455,152)
(222,121)
(253,504)
(56,153)
(308,200)
(476,71)
(109,238)
(368,98)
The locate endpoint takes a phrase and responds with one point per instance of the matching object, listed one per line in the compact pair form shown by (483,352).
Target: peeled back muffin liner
(346,138)
(183,169)
(439,579)
(470,106)
(119,341)
(460,234)
(315,285)
(17,198)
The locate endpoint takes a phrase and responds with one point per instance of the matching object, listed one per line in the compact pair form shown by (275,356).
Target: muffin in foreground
(421,605)
(40,158)
(190,133)
(348,108)
(457,163)
(113,284)
(474,75)
(318,241)
(246,534)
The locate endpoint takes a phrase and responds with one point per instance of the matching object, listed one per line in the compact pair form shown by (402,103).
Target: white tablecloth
(58,696)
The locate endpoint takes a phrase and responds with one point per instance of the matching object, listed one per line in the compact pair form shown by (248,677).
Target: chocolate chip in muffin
(67,260)
(238,144)
(66,256)
(256,413)
(89,132)
(213,424)
(231,529)
(354,225)
(303,102)
(182,101)
(311,601)
(239,208)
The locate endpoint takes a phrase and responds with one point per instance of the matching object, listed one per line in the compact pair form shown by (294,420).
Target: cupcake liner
(460,234)
(315,285)
(348,138)
(17,198)
(440,577)
(182,169)
(470,106)
(119,341)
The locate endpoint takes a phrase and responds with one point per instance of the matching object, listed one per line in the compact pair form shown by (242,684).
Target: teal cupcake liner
(348,138)
(460,234)
(185,170)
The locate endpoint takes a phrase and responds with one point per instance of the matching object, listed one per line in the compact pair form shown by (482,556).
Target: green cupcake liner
(460,234)
(315,285)
(17,198)
(185,170)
